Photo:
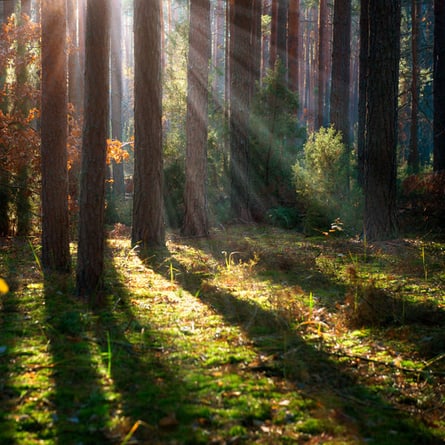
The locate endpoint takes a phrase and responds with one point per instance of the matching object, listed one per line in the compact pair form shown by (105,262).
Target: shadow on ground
(354,406)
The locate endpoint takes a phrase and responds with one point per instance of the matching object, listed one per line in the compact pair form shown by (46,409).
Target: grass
(255,335)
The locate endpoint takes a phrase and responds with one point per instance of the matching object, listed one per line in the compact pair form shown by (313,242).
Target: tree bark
(55,222)
(241,77)
(363,90)
(341,62)
(116,92)
(381,120)
(293,44)
(195,198)
(439,86)
(90,262)
(323,14)
(148,220)
(413,155)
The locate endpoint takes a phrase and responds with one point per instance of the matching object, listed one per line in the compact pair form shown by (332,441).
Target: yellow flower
(4,288)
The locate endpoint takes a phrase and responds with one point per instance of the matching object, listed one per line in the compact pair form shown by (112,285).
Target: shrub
(322,183)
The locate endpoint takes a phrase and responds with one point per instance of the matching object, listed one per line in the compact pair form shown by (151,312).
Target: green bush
(323,186)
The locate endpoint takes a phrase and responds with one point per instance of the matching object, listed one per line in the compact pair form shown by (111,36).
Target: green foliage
(276,140)
(322,183)
(284,217)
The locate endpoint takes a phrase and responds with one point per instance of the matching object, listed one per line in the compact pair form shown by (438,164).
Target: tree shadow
(9,320)
(152,397)
(80,403)
(17,327)
(360,302)
(300,362)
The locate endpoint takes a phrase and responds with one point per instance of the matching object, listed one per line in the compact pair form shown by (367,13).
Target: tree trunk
(283,6)
(363,89)
(116,92)
(413,155)
(74,69)
(195,198)
(439,85)
(240,95)
(273,43)
(293,43)
(340,90)
(148,219)
(381,120)
(90,262)
(55,223)
(323,14)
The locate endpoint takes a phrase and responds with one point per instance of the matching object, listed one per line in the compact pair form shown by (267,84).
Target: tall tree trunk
(439,85)
(413,155)
(148,219)
(340,91)
(293,44)
(273,43)
(74,68)
(195,197)
(241,78)
(363,89)
(55,222)
(25,7)
(8,8)
(323,14)
(116,92)
(283,6)
(90,262)
(381,120)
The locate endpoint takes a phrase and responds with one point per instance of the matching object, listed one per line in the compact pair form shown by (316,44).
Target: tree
(413,155)
(381,119)
(323,40)
(94,143)
(283,6)
(341,56)
(195,198)
(74,69)
(241,82)
(54,193)
(293,44)
(363,88)
(439,86)
(116,92)
(148,220)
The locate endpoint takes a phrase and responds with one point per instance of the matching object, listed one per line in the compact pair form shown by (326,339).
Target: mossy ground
(255,335)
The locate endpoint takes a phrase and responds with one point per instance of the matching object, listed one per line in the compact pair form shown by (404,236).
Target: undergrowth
(255,335)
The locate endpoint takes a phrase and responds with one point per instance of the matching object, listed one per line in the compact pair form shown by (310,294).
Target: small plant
(172,271)
(425,267)
(108,354)
(228,259)
(36,257)
(311,305)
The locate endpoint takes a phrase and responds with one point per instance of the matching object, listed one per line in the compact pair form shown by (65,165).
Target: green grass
(275,342)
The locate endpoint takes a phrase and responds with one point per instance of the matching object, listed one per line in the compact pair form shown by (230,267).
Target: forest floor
(253,336)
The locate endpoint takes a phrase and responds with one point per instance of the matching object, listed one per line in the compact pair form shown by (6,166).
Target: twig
(392,365)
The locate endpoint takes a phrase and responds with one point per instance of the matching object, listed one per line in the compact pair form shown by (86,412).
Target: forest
(222,222)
